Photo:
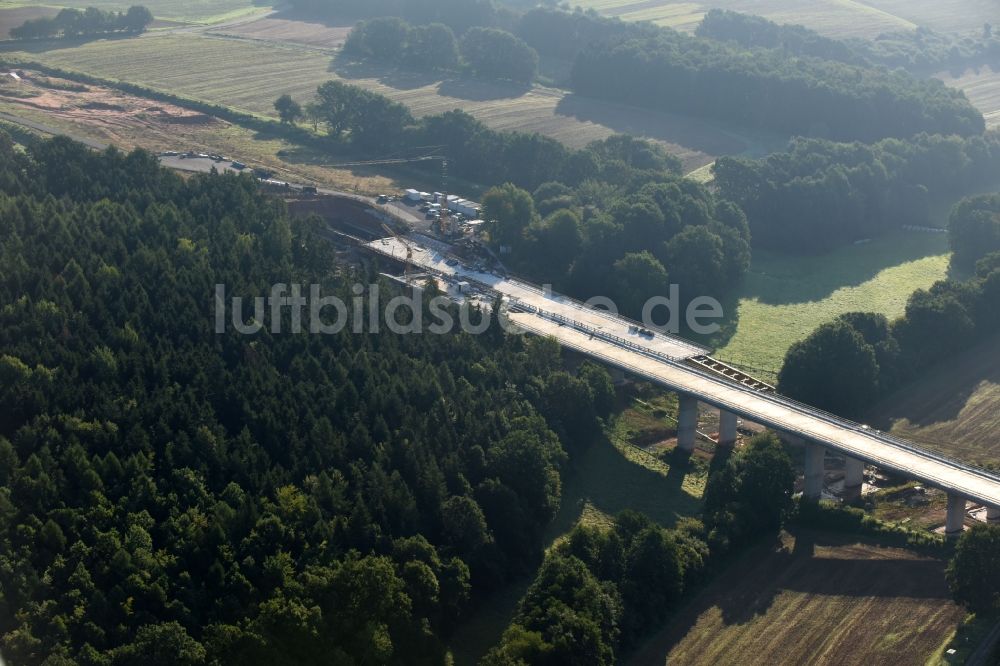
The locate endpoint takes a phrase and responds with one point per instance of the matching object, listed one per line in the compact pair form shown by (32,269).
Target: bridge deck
(778,413)
(662,359)
(435,259)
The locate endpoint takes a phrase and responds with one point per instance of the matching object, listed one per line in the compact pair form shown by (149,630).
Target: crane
(406,244)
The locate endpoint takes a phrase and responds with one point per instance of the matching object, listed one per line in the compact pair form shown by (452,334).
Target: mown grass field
(814,598)
(952,408)
(188,11)
(784,298)
(250,75)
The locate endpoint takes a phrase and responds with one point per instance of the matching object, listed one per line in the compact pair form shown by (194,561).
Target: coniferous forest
(223,498)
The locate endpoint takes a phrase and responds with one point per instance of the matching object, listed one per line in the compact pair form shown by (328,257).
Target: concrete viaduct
(687,369)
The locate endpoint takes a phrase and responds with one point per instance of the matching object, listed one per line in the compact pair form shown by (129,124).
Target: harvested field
(954,408)
(836,18)
(982,86)
(814,598)
(250,76)
(284,28)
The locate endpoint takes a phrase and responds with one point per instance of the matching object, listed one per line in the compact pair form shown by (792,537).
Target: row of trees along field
(173,495)
(820,194)
(370,123)
(484,52)
(921,50)
(847,364)
(601,590)
(91,21)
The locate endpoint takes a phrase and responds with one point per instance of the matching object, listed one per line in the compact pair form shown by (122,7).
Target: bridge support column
(617,376)
(815,455)
(727,428)
(955,521)
(854,473)
(993,514)
(687,422)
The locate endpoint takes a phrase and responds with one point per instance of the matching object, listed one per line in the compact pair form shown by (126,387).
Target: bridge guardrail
(777,398)
(773,397)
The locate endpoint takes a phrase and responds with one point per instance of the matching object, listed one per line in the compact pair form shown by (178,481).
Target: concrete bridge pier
(955,520)
(815,455)
(993,515)
(854,473)
(727,428)
(687,421)
(617,376)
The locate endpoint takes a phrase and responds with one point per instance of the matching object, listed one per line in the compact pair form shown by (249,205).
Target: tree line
(846,365)
(482,51)
(921,50)
(601,590)
(90,21)
(820,194)
(174,495)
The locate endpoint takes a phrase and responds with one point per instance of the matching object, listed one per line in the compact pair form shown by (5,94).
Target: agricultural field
(250,75)
(814,598)
(982,86)
(836,18)
(953,408)
(784,298)
(185,11)
(285,28)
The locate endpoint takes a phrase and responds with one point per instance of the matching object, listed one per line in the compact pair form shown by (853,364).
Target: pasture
(813,598)
(784,298)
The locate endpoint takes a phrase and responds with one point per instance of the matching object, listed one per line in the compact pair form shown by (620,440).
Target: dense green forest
(674,72)
(626,243)
(173,495)
(921,50)
(820,194)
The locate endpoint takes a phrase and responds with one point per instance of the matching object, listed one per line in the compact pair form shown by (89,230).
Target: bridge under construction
(689,370)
